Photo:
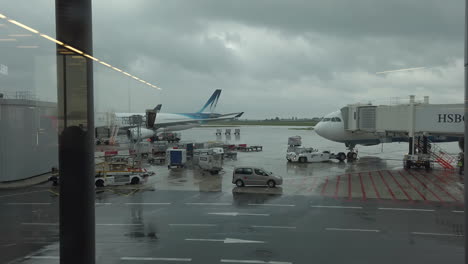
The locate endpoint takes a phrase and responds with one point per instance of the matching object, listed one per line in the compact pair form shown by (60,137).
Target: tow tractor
(417,161)
(304,155)
(119,173)
(297,153)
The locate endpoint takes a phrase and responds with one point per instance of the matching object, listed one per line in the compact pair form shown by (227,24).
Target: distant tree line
(294,118)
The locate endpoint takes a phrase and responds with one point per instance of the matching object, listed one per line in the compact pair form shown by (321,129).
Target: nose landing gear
(352,154)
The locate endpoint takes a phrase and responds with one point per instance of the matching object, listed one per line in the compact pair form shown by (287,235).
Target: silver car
(247,175)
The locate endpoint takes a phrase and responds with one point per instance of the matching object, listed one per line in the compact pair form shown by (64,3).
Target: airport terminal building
(28,141)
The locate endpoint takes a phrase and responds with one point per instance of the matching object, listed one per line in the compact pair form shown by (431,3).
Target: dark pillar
(410,149)
(76,132)
(465,161)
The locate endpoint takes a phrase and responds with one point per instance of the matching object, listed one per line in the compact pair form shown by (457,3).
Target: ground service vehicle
(251,175)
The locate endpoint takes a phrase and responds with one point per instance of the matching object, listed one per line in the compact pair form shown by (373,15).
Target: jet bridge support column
(410,145)
(425,143)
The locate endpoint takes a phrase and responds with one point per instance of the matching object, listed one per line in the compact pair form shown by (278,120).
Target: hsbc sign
(440,118)
(451,118)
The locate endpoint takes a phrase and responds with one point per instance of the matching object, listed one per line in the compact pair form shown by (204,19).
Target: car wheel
(99,183)
(239,183)
(271,183)
(135,180)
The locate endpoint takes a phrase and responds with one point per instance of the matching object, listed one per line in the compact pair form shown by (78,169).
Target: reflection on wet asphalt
(368,211)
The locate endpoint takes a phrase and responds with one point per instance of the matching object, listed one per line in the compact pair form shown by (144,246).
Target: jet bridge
(414,118)
(415,121)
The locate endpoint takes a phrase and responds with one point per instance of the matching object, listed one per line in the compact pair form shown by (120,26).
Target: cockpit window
(338,119)
(333,119)
(326,120)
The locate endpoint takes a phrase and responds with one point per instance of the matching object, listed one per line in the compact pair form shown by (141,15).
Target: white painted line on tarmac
(8,245)
(336,207)
(54,224)
(28,203)
(458,212)
(119,224)
(435,234)
(42,257)
(236,214)
(207,203)
(351,229)
(290,205)
(279,227)
(103,203)
(147,203)
(202,225)
(226,240)
(253,261)
(42,224)
(16,194)
(204,239)
(157,259)
(406,209)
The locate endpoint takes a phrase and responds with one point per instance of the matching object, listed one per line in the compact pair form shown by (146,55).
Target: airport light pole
(76,131)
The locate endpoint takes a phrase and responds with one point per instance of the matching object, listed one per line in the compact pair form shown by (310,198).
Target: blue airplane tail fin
(212,102)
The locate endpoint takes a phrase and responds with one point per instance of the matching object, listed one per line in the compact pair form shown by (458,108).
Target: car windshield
(248,132)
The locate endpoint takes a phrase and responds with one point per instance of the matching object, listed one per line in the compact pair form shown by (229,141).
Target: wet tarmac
(368,211)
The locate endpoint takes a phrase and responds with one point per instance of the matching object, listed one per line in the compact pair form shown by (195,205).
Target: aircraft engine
(145,133)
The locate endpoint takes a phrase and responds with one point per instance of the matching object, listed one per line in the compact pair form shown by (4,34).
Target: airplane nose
(319,129)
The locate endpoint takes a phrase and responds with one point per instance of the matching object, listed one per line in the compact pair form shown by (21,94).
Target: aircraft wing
(223,117)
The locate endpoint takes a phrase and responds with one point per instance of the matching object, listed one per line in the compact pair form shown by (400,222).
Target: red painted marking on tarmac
(386,184)
(324,186)
(373,185)
(399,185)
(312,187)
(446,182)
(441,188)
(363,190)
(406,179)
(425,186)
(349,187)
(337,188)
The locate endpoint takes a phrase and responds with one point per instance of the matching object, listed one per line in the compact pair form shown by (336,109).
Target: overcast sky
(270,57)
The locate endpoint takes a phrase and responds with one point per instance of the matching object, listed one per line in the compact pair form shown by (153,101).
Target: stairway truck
(176,158)
(417,161)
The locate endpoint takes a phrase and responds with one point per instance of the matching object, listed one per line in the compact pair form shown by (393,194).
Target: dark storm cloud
(301,58)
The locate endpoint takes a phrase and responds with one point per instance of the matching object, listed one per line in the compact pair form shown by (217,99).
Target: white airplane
(166,122)
(332,128)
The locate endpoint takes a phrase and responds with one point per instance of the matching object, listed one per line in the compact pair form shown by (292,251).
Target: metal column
(465,160)
(76,132)
(410,145)
(425,145)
